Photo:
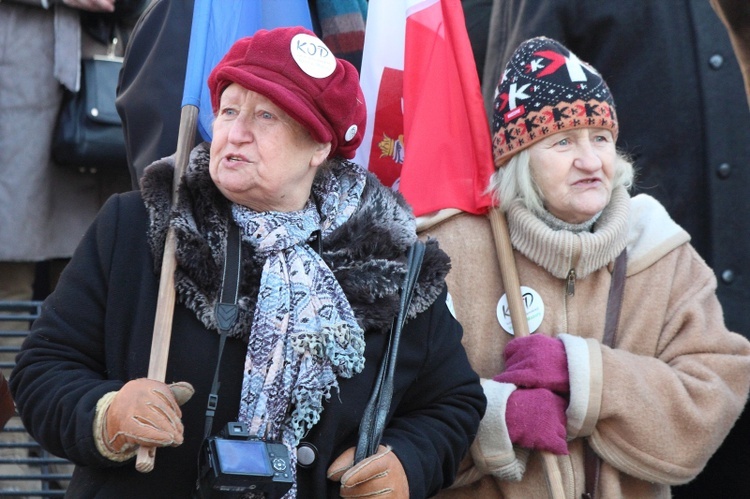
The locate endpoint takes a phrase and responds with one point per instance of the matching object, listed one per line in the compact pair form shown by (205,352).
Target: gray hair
(514,181)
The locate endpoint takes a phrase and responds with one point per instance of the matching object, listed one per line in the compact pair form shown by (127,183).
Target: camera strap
(225,313)
(376,412)
(226,310)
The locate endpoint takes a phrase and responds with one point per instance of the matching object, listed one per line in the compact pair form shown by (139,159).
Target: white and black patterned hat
(544,89)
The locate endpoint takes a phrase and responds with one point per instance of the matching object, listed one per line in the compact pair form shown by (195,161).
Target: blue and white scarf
(304,333)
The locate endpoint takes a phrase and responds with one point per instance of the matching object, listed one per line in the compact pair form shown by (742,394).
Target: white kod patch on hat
(313,56)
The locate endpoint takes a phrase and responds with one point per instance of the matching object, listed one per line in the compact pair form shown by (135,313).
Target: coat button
(727,276)
(306,454)
(724,170)
(716,61)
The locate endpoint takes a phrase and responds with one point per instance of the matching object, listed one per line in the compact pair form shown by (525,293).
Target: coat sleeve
(61,372)
(676,381)
(438,416)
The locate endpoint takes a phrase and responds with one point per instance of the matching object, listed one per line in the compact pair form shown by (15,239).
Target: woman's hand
(91,5)
(536,361)
(144,412)
(380,475)
(535,412)
(536,419)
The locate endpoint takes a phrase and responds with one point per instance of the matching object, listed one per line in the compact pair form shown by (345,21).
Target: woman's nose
(241,130)
(587,158)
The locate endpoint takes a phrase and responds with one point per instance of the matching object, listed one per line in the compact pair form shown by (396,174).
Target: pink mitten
(536,361)
(536,420)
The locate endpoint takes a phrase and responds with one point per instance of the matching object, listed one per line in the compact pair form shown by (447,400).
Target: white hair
(514,181)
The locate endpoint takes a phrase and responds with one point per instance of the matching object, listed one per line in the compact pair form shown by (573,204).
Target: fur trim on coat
(366,254)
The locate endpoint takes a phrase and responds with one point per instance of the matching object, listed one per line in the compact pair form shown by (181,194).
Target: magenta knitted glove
(535,418)
(536,361)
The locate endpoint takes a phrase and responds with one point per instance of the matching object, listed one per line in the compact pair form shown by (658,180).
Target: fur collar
(366,254)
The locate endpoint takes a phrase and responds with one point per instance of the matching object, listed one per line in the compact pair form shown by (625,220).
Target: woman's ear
(320,154)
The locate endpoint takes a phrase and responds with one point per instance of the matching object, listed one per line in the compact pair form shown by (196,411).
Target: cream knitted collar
(559,251)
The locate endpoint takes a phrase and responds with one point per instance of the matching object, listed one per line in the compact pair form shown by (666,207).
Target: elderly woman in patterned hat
(321,260)
(630,376)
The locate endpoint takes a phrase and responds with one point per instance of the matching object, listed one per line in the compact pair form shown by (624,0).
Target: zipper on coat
(570,286)
(570,280)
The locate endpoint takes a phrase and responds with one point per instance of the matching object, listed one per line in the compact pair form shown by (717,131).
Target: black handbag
(88,135)
(374,419)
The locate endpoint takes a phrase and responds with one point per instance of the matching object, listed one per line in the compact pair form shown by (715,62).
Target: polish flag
(427,132)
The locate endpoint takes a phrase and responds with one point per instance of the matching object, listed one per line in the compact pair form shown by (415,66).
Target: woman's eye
(563,142)
(265,115)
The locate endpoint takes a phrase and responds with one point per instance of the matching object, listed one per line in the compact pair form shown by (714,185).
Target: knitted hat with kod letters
(295,70)
(544,89)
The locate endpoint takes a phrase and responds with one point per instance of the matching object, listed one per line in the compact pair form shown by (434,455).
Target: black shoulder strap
(614,301)
(592,463)
(225,312)
(373,421)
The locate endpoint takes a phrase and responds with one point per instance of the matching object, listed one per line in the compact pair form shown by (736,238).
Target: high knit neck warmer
(559,251)
(555,223)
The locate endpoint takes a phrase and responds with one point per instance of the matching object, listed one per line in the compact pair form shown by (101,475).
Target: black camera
(233,463)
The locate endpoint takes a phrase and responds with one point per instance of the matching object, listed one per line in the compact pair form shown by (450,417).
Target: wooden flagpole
(512,286)
(162,335)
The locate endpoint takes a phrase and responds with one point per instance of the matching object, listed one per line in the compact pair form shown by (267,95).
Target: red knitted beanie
(544,89)
(295,70)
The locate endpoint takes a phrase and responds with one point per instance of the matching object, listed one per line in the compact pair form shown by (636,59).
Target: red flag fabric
(428,134)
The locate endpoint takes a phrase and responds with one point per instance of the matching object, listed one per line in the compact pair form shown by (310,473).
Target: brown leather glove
(143,412)
(380,475)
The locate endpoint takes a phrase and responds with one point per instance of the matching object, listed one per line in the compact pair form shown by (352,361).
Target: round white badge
(533,304)
(350,133)
(312,56)
(449,303)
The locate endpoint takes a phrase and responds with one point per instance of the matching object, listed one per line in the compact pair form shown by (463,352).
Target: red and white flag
(427,132)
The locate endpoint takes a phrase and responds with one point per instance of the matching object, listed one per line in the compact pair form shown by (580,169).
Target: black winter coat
(95,332)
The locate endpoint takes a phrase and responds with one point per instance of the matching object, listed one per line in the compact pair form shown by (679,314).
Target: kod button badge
(532,303)
(312,56)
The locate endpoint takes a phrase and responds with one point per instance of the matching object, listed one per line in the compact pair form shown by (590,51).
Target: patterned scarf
(304,333)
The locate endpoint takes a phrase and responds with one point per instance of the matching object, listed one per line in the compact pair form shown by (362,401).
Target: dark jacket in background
(149,95)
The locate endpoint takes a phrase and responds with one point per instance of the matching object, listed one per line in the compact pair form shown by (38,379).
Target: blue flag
(216,26)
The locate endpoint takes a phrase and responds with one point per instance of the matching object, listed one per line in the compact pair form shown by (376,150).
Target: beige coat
(656,407)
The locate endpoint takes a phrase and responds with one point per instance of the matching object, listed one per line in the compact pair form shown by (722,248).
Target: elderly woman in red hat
(316,247)
(630,377)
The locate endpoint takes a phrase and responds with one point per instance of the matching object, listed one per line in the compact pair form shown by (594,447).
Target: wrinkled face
(261,157)
(574,170)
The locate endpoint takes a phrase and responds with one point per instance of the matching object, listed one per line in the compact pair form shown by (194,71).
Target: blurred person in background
(45,208)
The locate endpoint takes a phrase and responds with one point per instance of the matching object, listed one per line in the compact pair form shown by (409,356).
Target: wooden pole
(157,366)
(512,286)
